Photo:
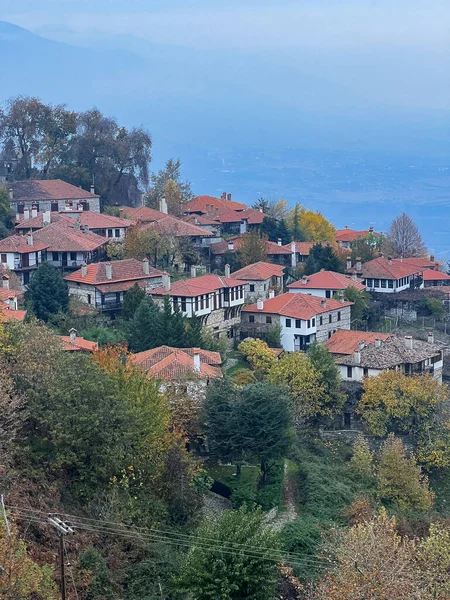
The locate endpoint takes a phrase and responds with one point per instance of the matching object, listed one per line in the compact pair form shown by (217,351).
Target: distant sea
(356,188)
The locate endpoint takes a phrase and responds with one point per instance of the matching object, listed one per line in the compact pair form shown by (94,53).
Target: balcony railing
(109,306)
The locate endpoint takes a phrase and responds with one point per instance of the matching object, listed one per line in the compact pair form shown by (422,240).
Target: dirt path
(280,519)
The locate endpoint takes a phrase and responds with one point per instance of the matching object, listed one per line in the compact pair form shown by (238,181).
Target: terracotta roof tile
(302,248)
(170,363)
(19,243)
(254,217)
(38,222)
(350,235)
(382,268)
(205,204)
(80,344)
(11,315)
(198,286)
(60,238)
(127,270)
(173,226)
(345,341)
(6,294)
(143,214)
(34,190)
(272,248)
(259,271)
(201,220)
(297,306)
(431,275)
(326,280)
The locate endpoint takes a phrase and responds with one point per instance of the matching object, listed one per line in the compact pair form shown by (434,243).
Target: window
(265,287)
(298,323)
(314,322)
(366,371)
(288,322)
(202,303)
(376,283)
(347,420)
(349,372)
(320,320)
(183,304)
(196,304)
(3,259)
(207,301)
(269,320)
(330,318)
(20,208)
(327,293)
(73,256)
(390,284)
(89,297)
(26,278)
(339,315)
(252,287)
(369,283)
(116,232)
(55,256)
(175,301)
(232,294)
(383,283)
(241,292)
(330,333)
(54,207)
(309,324)
(110,232)
(251,318)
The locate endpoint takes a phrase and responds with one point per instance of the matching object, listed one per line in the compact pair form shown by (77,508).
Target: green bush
(304,537)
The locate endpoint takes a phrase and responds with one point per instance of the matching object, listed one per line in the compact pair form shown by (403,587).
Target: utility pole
(62,530)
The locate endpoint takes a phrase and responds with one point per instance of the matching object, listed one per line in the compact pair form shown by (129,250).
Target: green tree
(193,332)
(252,249)
(213,573)
(366,248)
(297,231)
(361,461)
(6,214)
(323,257)
(219,420)
(47,292)
(258,354)
(143,328)
(171,324)
(360,307)
(400,479)
(132,299)
(324,364)
(94,568)
(167,182)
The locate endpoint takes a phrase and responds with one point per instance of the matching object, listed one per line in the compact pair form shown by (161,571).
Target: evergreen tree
(324,364)
(283,232)
(218,418)
(323,257)
(297,232)
(193,332)
(47,292)
(143,330)
(171,325)
(131,301)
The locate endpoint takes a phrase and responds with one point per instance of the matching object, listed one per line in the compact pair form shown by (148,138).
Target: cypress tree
(48,292)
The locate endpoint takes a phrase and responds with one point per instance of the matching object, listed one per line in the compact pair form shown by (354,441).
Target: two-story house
(261,277)
(54,195)
(345,237)
(325,284)
(216,300)
(103,285)
(208,205)
(22,254)
(360,354)
(433,278)
(302,318)
(389,275)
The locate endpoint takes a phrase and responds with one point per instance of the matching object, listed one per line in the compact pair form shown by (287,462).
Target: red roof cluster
(259,271)
(57,237)
(345,341)
(148,218)
(169,363)
(208,204)
(92,220)
(326,280)
(22,244)
(128,270)
(297,306)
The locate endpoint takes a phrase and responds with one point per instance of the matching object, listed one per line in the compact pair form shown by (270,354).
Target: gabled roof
(350,235)
(297,306)
(38,222)
(173,226)
(144,214)
(384,268)
(302,248)
(7,294)
(345,341)
(421,263)
(9,315)
(326,280)
(431,275)
(391,353)
(198,286)
(19,244)
(58,237)
(170,363)
(201,220)
(206,204)
(34,190)
(273,248)
(93,220)
(80,344)
(228,215)
(127,270)
(259,271)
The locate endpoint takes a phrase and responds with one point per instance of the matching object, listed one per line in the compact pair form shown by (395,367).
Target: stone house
(103,285)
(22,254)
(54,195)
(303,319)
(261,278)
(389,275)
(325,284)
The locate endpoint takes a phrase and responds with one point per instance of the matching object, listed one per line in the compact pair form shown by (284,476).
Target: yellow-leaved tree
(258,354)
(310,225)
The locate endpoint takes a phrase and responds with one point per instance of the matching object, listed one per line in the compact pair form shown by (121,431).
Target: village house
(238,222)
(302,318)
(54,195)
(388,275)
(360,354)
(216,300)
(436,278)
(221,252)
(261,278)
(299,252)
(345,237)
(74,343)
(103,285)
(22,255)
(207,205)
(325,284)
(69,248)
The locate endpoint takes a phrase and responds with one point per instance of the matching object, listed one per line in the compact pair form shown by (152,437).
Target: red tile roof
(60,238)
(206,204)
(273,248)
(80,344)
(431,275)
(144,214)
(349,235)
(127,270)
(346,342)
(254,217)
(173,226)
(19,244)
(38,222)
(96,220)
(34,190)
(382,268)
(302,248)
(200,220)
(8,314)
(198,286)
(6,294)
(326,280)
(259,271)
(421,263)
(170,363)
(297,306)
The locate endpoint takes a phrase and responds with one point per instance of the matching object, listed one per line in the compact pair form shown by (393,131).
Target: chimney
(92,188)
(260,209)
(304,280)
(280,242)
(361,344)
(30,239)
(197,360)
(341,297)
(146,266)
(371,229)
(73,336)
(86,229)
(108,269)
(77,225)
(271,294)
(323,303)
(26,214)
(358,264)
(163,205)
(46,218)
(84,270)
(229,197)
(432,258)
(430,337)
(224,196)
(193,271)
(260,304)
(293,255)
(166,281)
(346,227)
(5,282)
(33,211)
(11,194)
(243,226)
(389,260)
(377,343)
(227,270)
(230,246)
(357,357)
(409,342)
(121,213)
(17,217)
(354,277)
(349,263)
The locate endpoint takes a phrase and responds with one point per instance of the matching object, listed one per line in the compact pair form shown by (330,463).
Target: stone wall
(323,330)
